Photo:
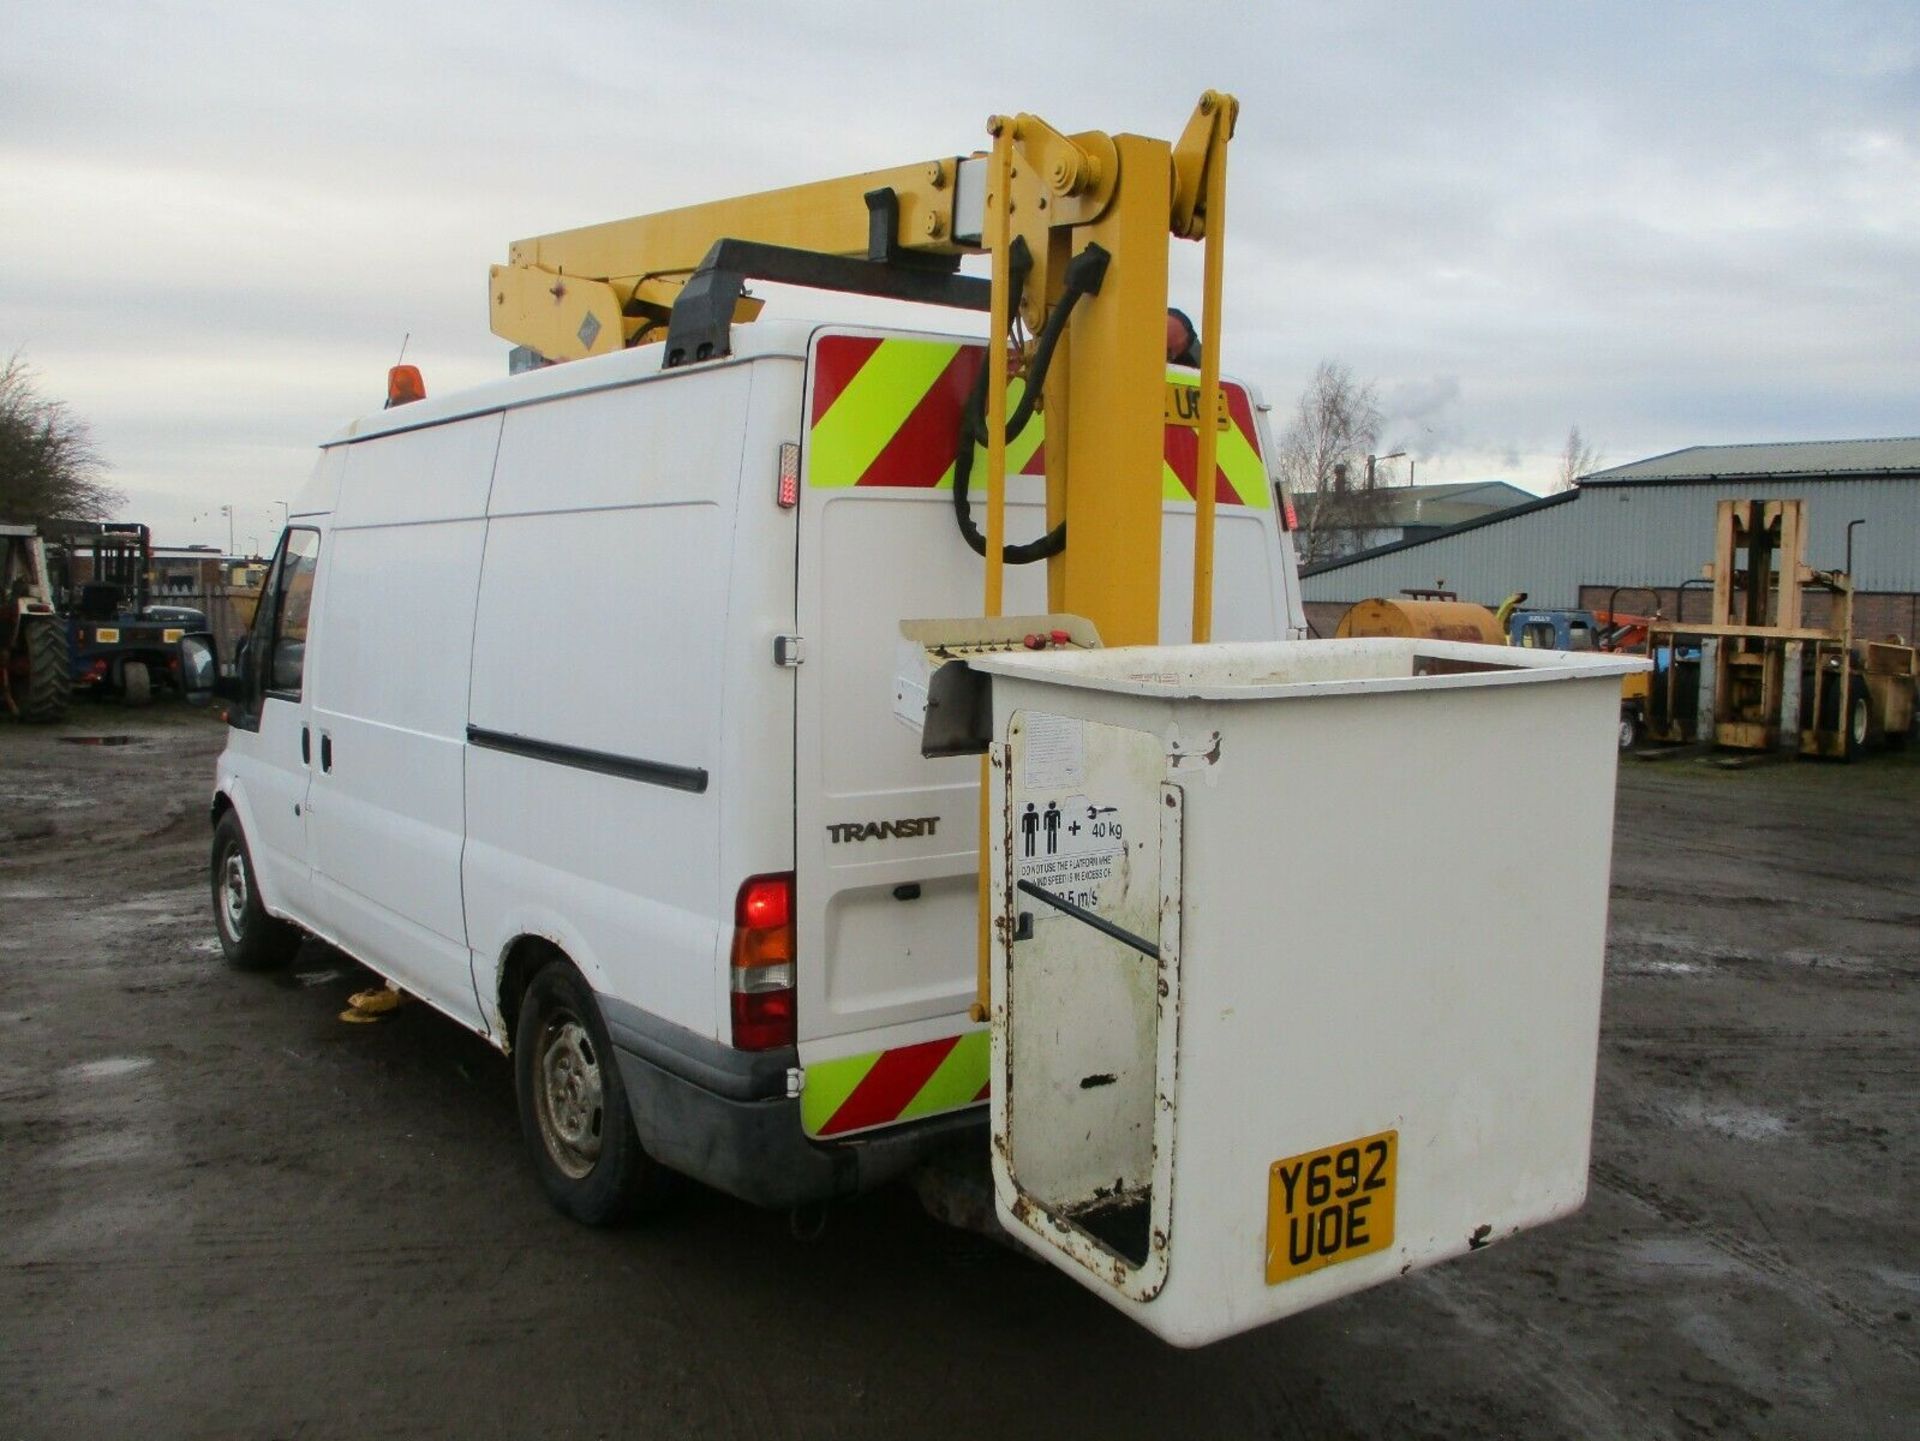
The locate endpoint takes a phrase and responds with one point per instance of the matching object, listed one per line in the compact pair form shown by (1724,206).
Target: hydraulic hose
(1085,272)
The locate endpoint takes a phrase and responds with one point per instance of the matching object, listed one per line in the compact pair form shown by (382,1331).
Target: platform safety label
(1073,847)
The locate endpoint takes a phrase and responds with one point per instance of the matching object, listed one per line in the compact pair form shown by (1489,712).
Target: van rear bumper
(723,1117)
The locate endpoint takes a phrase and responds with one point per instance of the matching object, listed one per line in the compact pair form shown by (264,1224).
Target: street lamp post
(1373,459)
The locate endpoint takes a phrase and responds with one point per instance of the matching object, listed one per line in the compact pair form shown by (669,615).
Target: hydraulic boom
(1077,227)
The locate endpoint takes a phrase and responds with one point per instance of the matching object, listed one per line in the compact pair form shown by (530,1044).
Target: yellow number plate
(1329,1206)
(170,637)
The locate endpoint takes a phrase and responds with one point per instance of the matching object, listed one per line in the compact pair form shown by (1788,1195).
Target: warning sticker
(1074,847)
(1053,753)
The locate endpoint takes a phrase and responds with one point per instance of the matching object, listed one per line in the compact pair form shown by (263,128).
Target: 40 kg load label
(1331,1205)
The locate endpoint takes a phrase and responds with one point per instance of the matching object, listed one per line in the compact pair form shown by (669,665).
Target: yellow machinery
(1427,619)
(1077,226)
(1768,679)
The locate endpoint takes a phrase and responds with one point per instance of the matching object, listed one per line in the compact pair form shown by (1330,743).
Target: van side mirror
(199,669)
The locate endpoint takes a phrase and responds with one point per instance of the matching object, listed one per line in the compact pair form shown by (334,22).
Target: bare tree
(49,468)
(1323,460)
(1578,459)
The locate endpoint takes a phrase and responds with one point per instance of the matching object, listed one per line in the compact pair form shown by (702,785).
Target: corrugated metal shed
(1641,530)
(1899,455)
(1446,504)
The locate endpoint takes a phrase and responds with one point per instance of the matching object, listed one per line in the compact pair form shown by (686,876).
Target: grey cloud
(1667,224)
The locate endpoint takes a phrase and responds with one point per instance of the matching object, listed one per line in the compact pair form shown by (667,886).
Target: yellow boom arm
(1036,202)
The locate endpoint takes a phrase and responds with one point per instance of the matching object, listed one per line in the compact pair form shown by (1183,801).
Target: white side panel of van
(598,643)
(389,679)
(320,493)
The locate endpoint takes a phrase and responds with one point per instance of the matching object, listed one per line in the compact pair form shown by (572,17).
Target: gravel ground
(224,1213)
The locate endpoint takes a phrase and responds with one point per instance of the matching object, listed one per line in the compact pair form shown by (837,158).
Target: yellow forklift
(1768,680)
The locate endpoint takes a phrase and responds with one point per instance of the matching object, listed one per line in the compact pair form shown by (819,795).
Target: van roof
(622,367)
(777,337)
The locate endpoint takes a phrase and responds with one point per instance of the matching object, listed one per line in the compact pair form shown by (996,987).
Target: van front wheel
(573,1105)
(250,939)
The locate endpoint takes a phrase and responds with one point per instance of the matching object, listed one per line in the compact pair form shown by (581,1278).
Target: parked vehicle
(36,672)
(1767,679)
(639,719)
(120,643)
(178,615)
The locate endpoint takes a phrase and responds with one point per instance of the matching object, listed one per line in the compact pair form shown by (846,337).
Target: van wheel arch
(524,958)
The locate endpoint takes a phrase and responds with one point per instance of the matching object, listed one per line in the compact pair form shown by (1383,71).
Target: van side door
(271,751)
(390,705)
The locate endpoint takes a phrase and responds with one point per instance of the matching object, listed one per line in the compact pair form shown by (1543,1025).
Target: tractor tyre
(136,683)
(49,681)
(251,939)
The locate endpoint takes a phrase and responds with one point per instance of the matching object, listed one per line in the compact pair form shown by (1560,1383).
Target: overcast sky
(1670,224)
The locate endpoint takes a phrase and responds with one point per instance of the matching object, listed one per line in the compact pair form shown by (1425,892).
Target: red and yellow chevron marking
(854,1093)
(886,411)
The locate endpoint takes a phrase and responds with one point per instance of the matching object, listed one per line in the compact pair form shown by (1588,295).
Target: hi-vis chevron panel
(856,1092)
(887,412)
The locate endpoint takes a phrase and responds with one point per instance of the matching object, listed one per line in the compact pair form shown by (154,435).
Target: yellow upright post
(1115,370)
(999,239)
(1203,490)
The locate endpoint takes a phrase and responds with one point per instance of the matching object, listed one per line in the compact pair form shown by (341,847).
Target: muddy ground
(224,1213)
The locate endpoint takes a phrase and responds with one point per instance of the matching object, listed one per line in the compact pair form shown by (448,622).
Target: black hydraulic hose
(1085,272)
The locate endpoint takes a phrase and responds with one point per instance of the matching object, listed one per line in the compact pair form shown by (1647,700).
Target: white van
(571,708)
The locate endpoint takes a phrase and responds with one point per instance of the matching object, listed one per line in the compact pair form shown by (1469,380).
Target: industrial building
(1642,529)
(1406,512)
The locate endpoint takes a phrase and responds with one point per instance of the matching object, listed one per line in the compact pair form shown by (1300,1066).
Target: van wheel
(251,939)
(573,1105)
(136,683)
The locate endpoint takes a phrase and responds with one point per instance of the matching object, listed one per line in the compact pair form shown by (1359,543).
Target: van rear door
(886,841)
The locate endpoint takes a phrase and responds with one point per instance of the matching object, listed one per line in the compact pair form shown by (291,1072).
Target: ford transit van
(574,706)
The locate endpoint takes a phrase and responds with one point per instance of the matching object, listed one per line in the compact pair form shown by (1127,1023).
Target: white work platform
(1296,960)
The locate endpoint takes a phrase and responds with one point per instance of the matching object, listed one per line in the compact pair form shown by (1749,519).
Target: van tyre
(573,1105)
(136,683)
(250,939)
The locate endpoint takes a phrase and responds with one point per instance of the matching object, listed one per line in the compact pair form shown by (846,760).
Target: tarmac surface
(225,1213)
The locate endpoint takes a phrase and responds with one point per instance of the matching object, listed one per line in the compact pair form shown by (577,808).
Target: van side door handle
(326,752)
(306,746)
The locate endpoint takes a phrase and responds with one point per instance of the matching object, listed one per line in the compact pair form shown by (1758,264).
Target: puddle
(96,740)
(1679,1253)
(24,892)
(102,1149)
(1659,968)
(108,1069)
(317,978)
(1739,1123)
(1908,1281)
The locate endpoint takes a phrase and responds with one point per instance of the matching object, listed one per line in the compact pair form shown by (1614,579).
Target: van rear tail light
(762,971)
(787,487)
